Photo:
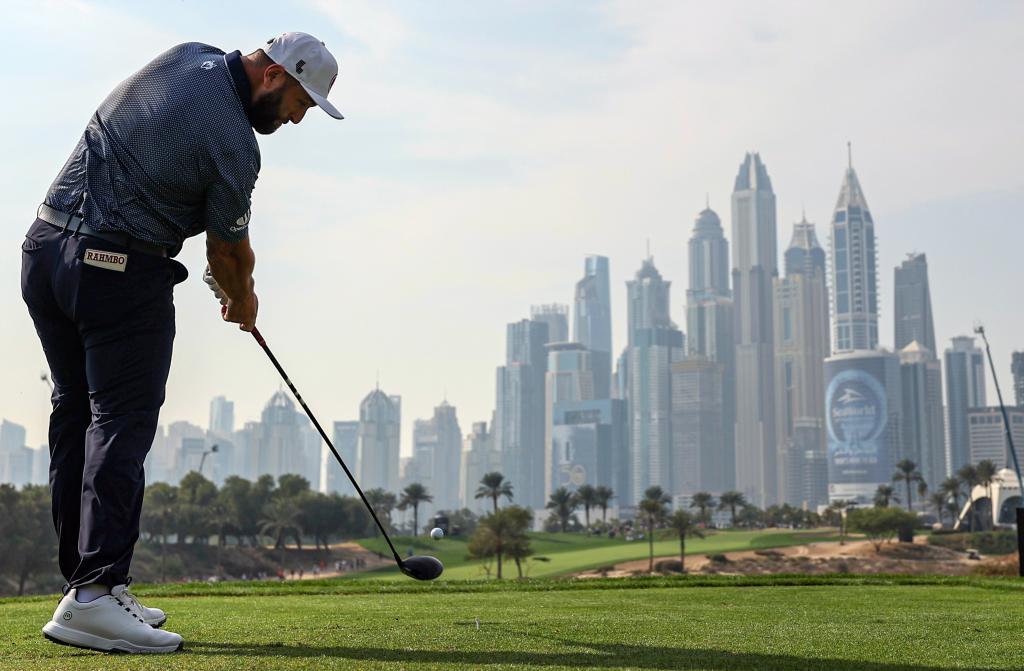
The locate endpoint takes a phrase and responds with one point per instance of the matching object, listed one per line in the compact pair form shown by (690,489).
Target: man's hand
(241,312)
(230,279)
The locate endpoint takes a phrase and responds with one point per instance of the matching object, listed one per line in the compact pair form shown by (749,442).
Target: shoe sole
(79,639)
(157,625)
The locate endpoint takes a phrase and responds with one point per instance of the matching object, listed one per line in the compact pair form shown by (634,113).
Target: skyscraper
(479,457)
(913,305)
(801,347)
(380,421)
(1017,369)
(346,441)
(709,322)
(854,263)
(556,316)
(287,442)
(569,377)
(592,326)
(987,435)
(965,389)
(11,435)
(755,264)
(222,416)
(654,345)
(588,439)
(924,431)
(15,457)
(863,403)
(519,415)
(437,451)
(698,448)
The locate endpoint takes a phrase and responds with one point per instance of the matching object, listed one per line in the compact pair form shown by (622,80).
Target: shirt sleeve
(229,198)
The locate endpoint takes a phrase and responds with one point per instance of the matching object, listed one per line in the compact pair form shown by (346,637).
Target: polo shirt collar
(242,87)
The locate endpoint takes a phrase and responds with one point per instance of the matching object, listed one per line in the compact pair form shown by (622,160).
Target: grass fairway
(570,553)
(722,624)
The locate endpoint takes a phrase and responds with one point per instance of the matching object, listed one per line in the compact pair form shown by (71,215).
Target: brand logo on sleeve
(241,222)
(207,65)
(108,260)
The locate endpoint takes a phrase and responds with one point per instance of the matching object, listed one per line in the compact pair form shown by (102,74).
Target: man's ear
(273,76)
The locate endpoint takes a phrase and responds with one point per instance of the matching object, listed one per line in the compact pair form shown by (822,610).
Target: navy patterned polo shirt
(169,154)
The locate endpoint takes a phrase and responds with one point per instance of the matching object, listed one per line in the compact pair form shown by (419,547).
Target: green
(829,623)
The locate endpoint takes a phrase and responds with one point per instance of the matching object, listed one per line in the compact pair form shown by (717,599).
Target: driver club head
(422,568)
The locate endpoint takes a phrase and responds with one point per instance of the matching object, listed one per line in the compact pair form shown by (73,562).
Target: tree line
(287,510)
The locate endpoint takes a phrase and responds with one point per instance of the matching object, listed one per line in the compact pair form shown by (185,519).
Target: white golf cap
(308,60)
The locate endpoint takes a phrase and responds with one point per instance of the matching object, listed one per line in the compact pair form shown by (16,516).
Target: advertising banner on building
(857,415)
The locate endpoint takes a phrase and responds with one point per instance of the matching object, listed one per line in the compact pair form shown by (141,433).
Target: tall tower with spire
(854,259)
(801,347)
(709,328)
(755,265)
(654,345)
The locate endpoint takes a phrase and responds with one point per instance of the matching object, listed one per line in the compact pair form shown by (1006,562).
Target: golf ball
(436,533)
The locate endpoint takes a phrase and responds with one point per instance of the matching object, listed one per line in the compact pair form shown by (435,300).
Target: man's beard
(265,113)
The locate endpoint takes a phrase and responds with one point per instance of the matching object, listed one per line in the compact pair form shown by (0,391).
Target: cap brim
(323,102)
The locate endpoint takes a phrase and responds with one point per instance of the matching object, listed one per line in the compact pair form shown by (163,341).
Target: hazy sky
(487,147)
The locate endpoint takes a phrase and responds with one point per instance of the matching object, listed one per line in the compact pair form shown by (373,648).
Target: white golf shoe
(154,617)
(108,624)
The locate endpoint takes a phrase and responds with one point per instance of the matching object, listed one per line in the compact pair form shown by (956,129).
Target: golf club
(419,567)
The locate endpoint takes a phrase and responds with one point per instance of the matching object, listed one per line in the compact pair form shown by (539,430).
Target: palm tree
(412,497)
(731,501)
(938,499)
(493,486)
(603,496)
(221,520)
(563,503)
(951,488)
(987,474)
(382,502)
(653,509)
(500,532)
(280,518)
(922,489)
(838,509)
(906,471)
(885,495)
(685,526)
(518,546)
(586,496)
(703,501)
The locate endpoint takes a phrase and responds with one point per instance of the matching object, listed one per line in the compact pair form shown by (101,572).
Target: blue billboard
(857,419)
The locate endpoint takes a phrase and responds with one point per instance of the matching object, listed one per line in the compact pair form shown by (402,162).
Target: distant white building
(986,434)
(1006,495)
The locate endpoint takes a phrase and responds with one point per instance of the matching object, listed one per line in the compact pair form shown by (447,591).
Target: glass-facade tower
(854,269)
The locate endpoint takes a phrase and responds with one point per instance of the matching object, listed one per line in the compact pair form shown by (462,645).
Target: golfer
(169,154)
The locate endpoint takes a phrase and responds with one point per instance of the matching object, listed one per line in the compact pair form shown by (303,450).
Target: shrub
(985,542)
(880,524)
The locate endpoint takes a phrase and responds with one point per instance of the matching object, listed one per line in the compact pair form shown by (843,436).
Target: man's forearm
(232,268)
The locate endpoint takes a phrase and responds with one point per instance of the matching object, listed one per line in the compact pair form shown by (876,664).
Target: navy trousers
(107,336)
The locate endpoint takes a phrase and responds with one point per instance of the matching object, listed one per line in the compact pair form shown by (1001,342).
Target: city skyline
(672,107)
(682,140)
(554,429)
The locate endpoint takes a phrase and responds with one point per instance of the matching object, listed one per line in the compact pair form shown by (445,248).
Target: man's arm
(231,264)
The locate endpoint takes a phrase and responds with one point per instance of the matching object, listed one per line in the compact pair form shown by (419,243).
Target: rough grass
(826,623)
(571,552)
